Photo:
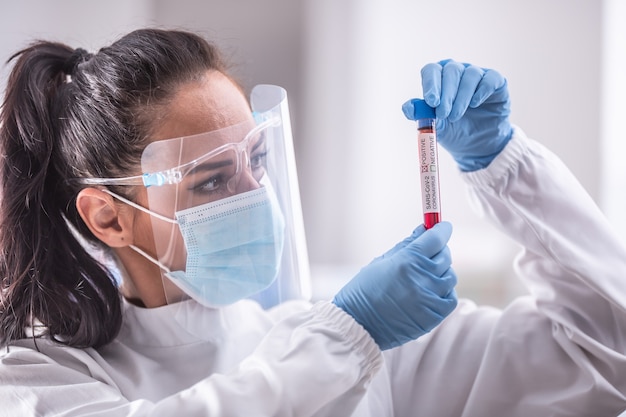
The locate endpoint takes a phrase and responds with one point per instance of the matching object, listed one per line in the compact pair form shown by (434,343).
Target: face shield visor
(225,210)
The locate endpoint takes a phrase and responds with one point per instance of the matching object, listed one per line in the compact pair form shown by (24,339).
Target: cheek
(166,242)
(160,239)
(174,252)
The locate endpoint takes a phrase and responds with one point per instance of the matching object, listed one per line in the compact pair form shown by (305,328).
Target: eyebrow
(210,166)
(259,142)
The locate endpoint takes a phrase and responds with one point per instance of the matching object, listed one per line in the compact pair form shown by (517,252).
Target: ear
(107,220)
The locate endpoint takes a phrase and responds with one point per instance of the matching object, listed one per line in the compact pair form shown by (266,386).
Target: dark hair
(69,114)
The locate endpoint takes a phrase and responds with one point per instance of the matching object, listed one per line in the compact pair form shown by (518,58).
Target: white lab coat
(560,351)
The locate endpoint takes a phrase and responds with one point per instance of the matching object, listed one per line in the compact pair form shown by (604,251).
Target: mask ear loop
(151,213)
(150,258)
(138,207)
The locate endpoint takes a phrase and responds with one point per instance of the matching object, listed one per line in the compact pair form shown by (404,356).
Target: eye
(211,184)
(258,151)
(258,160)
(212,176)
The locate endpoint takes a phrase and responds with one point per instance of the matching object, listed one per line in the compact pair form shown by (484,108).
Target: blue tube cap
(421,110)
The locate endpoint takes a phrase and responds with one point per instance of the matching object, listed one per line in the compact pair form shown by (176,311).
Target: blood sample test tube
(428,162)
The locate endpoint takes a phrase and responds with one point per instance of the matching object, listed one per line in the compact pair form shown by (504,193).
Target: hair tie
(77,57)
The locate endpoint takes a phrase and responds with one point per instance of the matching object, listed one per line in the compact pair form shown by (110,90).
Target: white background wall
(348,67)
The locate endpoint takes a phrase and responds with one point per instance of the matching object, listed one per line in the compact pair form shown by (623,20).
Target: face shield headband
(225,211)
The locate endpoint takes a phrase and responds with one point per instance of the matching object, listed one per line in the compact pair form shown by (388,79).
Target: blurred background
(349,65)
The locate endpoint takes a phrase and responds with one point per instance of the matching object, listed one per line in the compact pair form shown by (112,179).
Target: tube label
(429,171)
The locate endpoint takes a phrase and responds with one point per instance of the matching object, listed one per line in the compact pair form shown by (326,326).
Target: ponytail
(49,280)
(67,115)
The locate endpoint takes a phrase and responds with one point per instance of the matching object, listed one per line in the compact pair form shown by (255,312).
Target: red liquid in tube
(429,166)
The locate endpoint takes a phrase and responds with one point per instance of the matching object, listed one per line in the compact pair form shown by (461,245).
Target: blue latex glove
(407,291)
(472,107)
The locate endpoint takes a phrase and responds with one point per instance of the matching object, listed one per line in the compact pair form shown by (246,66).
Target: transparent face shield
(225,210)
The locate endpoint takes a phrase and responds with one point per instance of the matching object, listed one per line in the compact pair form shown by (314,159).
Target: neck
(144,287)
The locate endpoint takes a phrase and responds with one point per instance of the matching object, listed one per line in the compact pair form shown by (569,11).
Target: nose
(244,180)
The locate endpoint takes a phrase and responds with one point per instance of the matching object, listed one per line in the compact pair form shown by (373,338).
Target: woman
(149,152)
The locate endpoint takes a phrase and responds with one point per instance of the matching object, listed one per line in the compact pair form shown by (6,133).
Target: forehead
(219,144)
(210,103)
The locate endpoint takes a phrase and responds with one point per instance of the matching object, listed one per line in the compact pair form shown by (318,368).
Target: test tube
(428,161)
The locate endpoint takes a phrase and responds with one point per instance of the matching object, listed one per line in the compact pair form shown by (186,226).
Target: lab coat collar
(185,322)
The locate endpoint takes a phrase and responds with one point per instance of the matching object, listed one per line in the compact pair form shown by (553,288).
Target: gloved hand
(472,108)
(407,291)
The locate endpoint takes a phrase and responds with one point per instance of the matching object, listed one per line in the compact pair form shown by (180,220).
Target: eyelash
(258,160)
(202,187)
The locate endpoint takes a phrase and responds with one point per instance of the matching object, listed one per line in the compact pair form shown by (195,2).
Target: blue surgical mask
(234,247)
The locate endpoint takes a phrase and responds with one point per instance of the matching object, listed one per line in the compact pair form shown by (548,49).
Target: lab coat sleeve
(307,361)
(561,351)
